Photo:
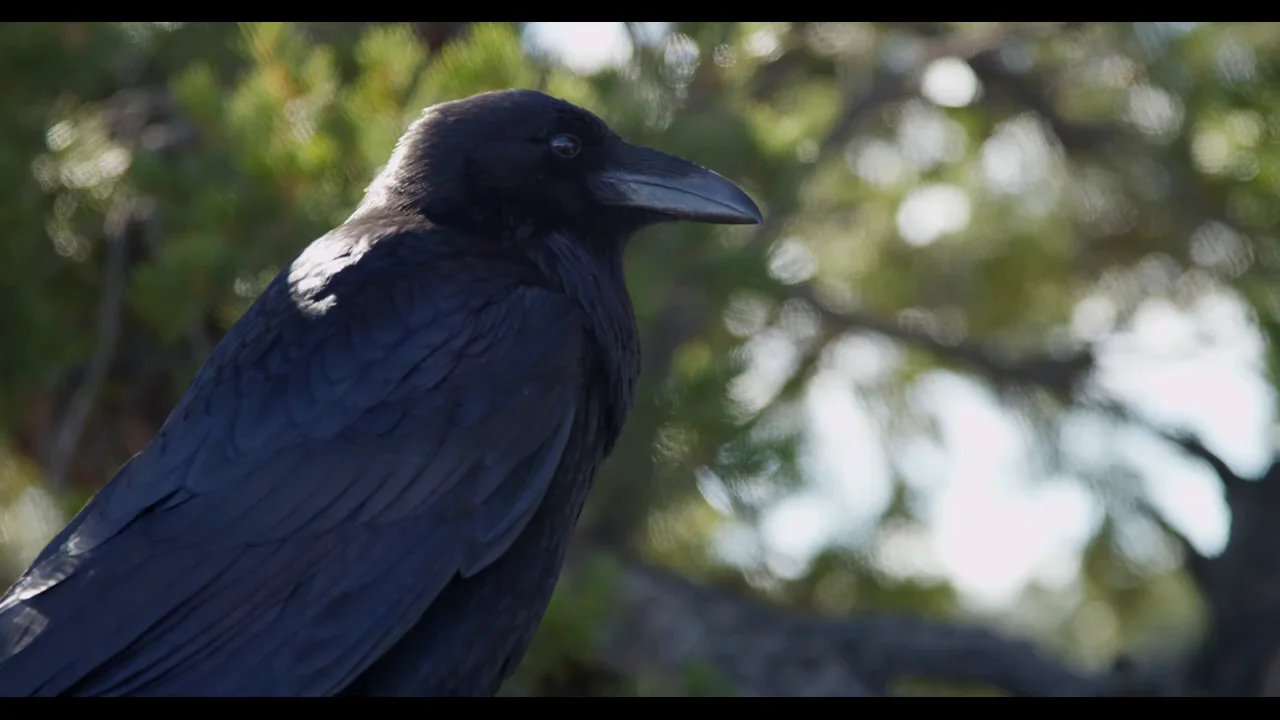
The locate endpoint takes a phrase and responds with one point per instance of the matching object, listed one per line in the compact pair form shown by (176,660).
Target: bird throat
(591,274)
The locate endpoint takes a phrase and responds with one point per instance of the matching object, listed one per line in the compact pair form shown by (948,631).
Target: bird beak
(646,179)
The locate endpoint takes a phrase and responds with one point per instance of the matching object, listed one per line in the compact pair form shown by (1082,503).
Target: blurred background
(986,406)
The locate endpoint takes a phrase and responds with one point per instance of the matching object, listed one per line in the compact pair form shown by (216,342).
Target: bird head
(521,157)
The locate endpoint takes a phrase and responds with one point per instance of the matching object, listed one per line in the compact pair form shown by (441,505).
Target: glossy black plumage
(369,486)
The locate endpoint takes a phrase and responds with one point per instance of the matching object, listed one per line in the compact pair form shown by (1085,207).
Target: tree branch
(663,624)
(119,220)
(1061,375)
(889,87)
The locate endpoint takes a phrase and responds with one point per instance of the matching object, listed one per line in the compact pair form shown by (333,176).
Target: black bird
(369,486)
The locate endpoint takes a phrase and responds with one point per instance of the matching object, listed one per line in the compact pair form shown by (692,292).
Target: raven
(369,486)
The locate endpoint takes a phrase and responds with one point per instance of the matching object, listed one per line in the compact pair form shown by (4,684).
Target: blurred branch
(890,86)
(1197,564)
(776,74)
(687,312)
(690,316)
(435,35)
(1241,586)
(1184,440)
(1062,376)
(664,624)
(122,216)
(1192,445)
(886,88)
(1034,91)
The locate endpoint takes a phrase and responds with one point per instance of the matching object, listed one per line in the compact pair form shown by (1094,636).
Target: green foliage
(702,680)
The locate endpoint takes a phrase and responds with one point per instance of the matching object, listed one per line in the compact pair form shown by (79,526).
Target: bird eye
(566,146)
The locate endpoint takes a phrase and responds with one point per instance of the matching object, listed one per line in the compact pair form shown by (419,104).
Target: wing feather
(323,479)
